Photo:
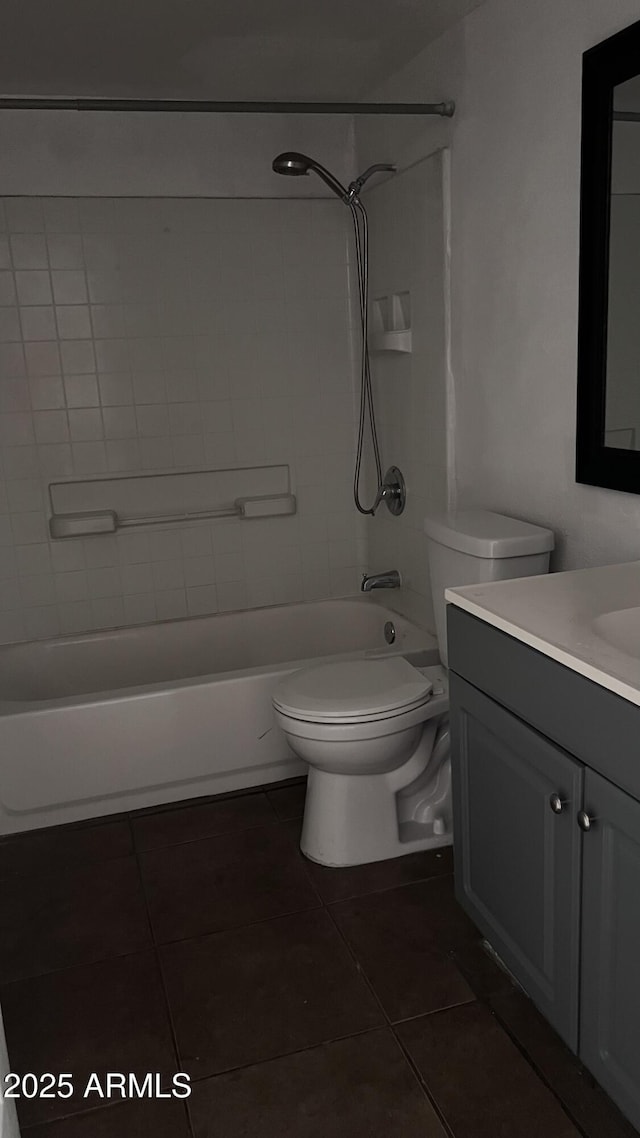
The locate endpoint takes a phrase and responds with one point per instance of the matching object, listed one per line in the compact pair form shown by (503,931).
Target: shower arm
(358,183)
(350,193)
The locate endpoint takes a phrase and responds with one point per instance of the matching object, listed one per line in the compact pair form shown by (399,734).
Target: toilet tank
(474,546)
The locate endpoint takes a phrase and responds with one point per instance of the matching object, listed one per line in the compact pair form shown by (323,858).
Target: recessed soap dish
(391,323)
(399,341)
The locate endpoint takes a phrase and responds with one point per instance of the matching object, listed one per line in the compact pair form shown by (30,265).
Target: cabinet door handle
(556,803)
(585,821)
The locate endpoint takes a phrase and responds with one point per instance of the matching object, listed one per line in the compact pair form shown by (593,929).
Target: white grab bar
(108,521)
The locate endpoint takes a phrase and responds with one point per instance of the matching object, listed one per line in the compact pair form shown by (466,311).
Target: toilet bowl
(374,732)
(370,731)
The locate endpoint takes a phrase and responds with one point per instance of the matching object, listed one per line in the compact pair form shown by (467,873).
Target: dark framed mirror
(608,422)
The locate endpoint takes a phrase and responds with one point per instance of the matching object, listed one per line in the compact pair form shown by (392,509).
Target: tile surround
(141,335)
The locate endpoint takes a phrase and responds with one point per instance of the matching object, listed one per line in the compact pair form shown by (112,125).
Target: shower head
(294,164)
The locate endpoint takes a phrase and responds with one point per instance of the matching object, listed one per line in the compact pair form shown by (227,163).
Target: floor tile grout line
(305,870)
(422,1083)
(36,1127)
(389,1025)
(359,967)
(230,928)
(132,837)
(209,837)
(195,1079)
(133,851)
(160,944)
(394,1023)
(373,892)
(165,994)
(236,928)
(54,870)
(69,967)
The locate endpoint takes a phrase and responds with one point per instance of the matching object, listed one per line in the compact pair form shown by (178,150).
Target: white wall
(406,254)
(166,334)
(514,69)
(108,152)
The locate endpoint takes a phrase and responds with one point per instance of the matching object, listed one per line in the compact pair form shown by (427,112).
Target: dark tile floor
(303,1002)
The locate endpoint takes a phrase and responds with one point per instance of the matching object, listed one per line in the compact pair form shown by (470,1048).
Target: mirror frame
(604,66)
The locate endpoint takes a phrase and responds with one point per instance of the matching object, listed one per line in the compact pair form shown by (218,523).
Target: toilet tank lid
(482,533)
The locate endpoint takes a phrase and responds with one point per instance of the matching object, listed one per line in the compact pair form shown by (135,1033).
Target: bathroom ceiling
(214,49)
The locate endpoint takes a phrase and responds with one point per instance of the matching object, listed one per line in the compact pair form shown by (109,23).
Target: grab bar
(108,521)
(197,515)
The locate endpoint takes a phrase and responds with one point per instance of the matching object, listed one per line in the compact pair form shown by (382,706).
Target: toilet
(374,732)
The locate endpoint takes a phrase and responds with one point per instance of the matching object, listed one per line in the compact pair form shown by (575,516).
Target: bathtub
(110,721)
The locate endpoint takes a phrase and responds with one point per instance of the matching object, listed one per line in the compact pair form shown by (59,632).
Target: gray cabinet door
(517,863)
(610,997)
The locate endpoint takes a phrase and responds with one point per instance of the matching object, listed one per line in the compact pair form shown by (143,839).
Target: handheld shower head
(291,163)
(294,164)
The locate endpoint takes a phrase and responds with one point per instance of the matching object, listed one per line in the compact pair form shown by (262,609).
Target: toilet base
(354,819)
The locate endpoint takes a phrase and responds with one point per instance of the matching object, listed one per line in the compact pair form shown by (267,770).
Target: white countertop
(561,616)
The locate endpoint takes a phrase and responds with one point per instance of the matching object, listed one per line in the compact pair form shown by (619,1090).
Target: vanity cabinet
(610,979)
(547,846)
(518,849)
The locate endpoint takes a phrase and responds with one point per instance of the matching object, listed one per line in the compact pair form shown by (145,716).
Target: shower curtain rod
(8,103)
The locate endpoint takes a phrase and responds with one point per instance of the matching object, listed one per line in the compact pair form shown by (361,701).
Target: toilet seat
(353,692)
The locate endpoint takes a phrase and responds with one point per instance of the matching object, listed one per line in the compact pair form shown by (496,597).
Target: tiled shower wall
(407,254)
(143,335)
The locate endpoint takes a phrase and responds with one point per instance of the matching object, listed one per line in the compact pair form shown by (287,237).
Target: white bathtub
(111,721)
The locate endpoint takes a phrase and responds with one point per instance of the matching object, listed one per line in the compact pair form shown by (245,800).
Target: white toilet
(375,731)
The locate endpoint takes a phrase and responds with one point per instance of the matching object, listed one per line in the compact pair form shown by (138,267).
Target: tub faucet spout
(389,580)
